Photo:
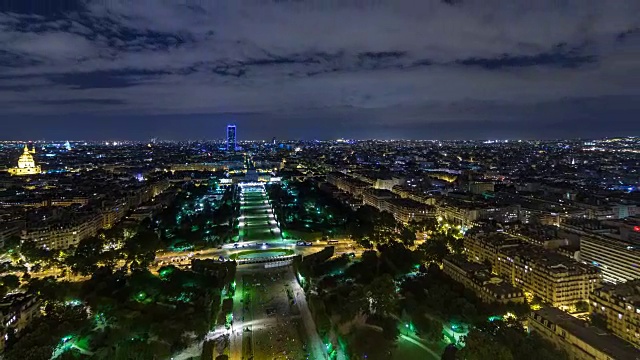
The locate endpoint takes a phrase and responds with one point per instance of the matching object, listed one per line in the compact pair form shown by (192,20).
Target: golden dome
(26,164)
(26,159)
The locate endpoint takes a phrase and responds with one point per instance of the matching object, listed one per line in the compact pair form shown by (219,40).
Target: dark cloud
(558,57)
(102,79)
(41,7)
(83,101)
(364,67)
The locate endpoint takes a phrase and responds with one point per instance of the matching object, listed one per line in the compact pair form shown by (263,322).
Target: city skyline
(319,179)
(403,69)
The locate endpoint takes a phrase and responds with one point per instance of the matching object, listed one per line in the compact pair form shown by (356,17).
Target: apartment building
(619,307)
(347,184)
(408,193)
(17,311)
(406,210)
(9,229)
(483,246)
(376,197)
(556,279)
(577,338)
(615,250)
(618,259)
(478,277)
(468,214)
(403,210)
(64,233)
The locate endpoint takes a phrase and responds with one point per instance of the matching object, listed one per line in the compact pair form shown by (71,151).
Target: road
(185,256)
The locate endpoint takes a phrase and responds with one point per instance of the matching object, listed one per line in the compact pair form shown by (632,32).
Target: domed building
(26,164)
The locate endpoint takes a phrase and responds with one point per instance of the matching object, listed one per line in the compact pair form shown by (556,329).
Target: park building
(618,306)
(554,278)
(26,164)
(477,277)
(577,338)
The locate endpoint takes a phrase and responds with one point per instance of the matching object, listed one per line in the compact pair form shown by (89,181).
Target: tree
(33,253)
(582,306)
(140,250)
(366,343)
(428,329)
(525,346)
(389,326)
(381,294)
(11,281)
(450,353)
(40,338)
(399,259)
(407,236)
(85,259)
(12,243)
(481,346)
(434,249)
(456,245)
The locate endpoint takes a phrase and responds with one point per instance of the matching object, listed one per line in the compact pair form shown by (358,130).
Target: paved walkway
(317,347)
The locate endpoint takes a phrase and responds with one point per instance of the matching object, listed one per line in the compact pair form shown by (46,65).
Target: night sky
(419,69)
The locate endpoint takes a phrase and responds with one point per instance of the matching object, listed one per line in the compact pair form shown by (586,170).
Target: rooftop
(629,291)
(598,338)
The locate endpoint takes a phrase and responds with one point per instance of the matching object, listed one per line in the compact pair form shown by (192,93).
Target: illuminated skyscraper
(231,137)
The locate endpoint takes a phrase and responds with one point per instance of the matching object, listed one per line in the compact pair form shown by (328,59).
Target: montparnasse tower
(26,164)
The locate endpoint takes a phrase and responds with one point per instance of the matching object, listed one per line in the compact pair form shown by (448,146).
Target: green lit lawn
(257,220)
(255,254)
(406,350)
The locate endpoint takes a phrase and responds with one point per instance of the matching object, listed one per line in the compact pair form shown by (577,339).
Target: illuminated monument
(26,164)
